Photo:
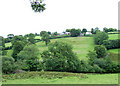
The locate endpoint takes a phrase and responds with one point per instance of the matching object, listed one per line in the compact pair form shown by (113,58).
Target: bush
(4,52)
(60,57)
(17,47)
(29,55)
(85,67)
(99,37)
(112,44)
(100,65)
(91,56)
(97,69)
(100,51)
(107,65)
(8,65)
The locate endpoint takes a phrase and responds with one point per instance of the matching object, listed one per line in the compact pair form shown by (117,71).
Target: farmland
(81,46)
(113,36)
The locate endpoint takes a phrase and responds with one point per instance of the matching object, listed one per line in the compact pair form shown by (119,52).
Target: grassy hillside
(81,45)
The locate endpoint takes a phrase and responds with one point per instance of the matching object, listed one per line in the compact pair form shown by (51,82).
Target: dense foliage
(99,37)
(100,51)
(102,65)
(109,30)
(75,32)
(94,31)
(46,38)
(112,44)
(37,5)
(29,55)
(31,38)
(84,31)
(17,47)
(42,33)
(60,57)
(8,65)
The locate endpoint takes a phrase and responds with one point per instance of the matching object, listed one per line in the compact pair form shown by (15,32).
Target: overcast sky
(17,17)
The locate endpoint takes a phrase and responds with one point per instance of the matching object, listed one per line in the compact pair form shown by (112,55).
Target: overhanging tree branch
(37,5)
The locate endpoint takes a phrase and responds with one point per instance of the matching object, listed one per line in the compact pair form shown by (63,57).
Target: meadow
(81,46)
(113,36)
(116,51)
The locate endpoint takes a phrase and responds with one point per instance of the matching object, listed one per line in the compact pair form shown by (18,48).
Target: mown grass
(81,45)
(90,79)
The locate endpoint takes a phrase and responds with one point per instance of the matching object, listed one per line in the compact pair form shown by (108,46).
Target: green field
(113,36)
(8,44)
(91,79)
(37,37)
(81,45)
(116,51)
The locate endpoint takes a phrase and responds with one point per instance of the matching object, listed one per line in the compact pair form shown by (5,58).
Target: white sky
(17,17)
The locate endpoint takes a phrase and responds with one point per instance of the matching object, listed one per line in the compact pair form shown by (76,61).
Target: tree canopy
(37,5)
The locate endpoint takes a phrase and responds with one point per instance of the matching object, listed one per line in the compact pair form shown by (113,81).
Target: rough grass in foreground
(44,75)
(66,78)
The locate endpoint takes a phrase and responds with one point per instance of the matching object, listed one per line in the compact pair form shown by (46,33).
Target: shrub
(100,62)
(107,65)
(112,44)
(8,65)
(60,57)
(4,52)
(85,67)
(97,69)
(30,56)
(17,47)
(91,56)
(100,51)
(99,37)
